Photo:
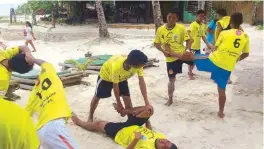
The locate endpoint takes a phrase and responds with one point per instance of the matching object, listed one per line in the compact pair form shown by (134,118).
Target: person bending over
(48,100)
(114,75)
(12,59)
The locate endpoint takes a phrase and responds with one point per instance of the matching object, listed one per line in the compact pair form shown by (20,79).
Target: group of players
(48,98)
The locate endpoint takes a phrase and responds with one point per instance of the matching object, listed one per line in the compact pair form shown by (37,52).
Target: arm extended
(143,89)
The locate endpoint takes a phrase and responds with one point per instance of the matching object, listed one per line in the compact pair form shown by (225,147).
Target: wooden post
(147,11)
(11,21)
(52,15)
(117,6)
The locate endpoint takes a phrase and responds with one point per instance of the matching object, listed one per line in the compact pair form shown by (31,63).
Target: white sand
(191,122)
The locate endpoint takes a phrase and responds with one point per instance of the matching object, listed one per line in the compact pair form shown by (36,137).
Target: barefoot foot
(169,102)
(191,77)
(229,81)
(75,119)
(90,119)
(221,114)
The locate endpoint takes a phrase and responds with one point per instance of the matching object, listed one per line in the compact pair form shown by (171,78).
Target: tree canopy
(34,5)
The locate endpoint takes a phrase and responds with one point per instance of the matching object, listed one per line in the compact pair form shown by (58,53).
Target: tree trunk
(254,13)
(158,19)
(200,5)
(52,17)
(103,31)
(33,17)
(11,17)
(208,10)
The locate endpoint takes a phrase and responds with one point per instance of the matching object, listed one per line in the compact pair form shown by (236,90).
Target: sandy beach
(191,121)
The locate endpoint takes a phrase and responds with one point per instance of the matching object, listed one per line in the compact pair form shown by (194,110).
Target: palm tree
(200,4)
(255,3)
(103,31)
(208,10)
(158,20)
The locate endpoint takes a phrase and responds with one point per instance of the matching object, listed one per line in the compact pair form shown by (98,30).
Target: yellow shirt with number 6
(174,37)
(126,135)
(48,98)
(230,45)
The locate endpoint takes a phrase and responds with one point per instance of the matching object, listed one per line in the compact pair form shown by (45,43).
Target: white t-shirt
(27,33)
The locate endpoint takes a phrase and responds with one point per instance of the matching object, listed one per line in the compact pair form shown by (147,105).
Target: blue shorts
(196,51)
(219,75)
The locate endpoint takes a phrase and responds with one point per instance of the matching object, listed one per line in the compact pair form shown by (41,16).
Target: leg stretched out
(99,126)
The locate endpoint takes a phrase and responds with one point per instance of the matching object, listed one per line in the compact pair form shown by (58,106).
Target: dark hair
(173,146)
(29,24)
(173,11)
(19,64)
(222,12)
(136,58)
(236,19)
(199,12)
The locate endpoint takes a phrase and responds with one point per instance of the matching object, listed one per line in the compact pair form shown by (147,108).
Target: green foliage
(213,14)
(35,5)
(79,66)
(260,27)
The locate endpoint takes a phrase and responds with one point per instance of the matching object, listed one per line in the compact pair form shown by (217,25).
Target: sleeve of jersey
(219,39)
(9,53)
(140,72)
(211,24)
(157,37)
(204,28)
(30,138)
(190,28)
(185,34)
(246,48)
(115,74)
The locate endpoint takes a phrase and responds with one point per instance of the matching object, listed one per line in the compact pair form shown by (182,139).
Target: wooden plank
(23,81)
(26,87)
(71,81)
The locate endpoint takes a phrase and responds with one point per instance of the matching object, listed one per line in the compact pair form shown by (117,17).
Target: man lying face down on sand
(130,134)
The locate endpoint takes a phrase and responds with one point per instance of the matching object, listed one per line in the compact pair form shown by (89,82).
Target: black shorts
(111,129)
(104,88)
(175,67)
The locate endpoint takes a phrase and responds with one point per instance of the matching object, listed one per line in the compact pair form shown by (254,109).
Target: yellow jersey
(126,135)
(113,70)
(230,45)
(17,129)
(224,22)
(47,97)
(197,31)
(175,38)
(5,75)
